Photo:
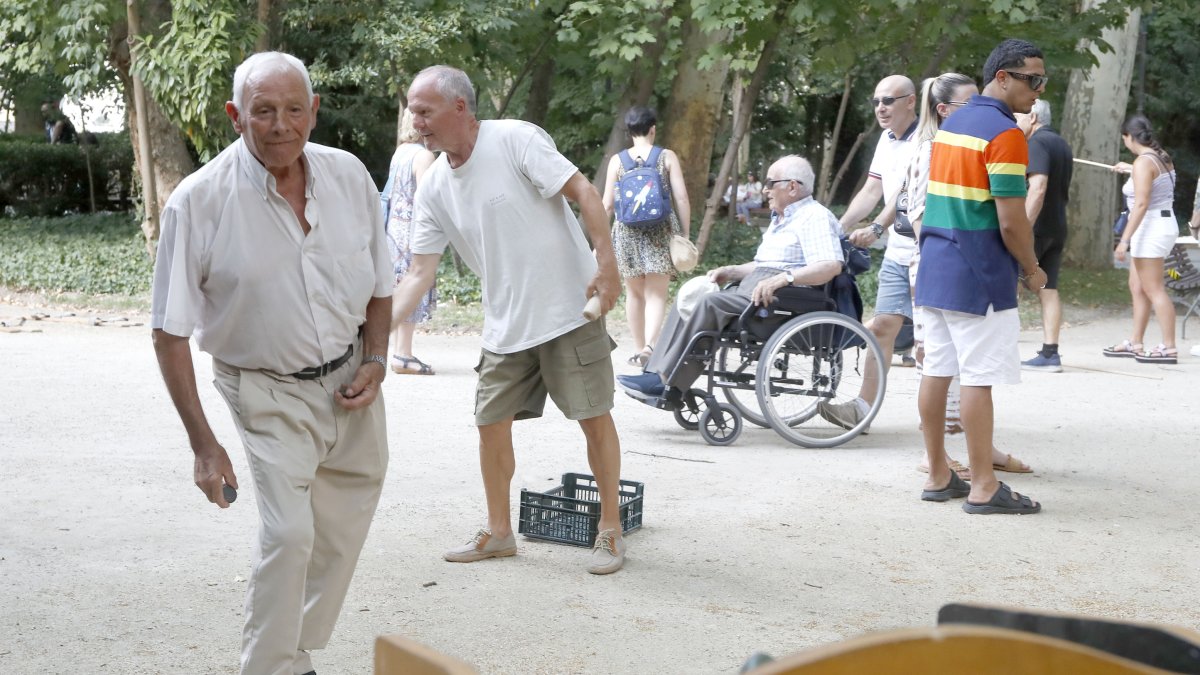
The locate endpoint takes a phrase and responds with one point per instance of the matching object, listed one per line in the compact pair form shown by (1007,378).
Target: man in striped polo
(976,244)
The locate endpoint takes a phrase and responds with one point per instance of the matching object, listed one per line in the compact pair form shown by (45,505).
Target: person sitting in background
(749,197)
(58,127)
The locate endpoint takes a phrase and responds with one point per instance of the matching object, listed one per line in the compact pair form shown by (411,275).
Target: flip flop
(956,488)
(1012,465)
(1005,501)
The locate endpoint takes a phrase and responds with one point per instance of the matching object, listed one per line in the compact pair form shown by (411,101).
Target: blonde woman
(408,165)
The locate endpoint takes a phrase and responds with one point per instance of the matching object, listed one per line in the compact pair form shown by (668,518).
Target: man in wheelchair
(800,248)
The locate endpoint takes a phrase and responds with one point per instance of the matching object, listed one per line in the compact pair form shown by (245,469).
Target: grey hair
(797,168)
(266,63)
(1041,108)
(452,84)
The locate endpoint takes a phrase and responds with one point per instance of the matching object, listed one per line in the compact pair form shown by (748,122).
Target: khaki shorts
(575,369)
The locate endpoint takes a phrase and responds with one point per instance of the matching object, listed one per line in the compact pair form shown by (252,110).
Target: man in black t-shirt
(1049,175)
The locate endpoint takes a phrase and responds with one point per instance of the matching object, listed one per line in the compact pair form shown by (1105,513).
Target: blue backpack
(642,200)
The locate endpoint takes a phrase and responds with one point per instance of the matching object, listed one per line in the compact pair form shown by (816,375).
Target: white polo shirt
(235,267)
(892,157)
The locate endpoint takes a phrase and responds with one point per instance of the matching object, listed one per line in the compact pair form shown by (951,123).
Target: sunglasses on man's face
(772,182)
(1035,82)
(887,100)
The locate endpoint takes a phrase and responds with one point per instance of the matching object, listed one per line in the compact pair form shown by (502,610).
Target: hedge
(40,179)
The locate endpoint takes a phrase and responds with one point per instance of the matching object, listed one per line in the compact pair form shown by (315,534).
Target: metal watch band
(381,360)
(877,229)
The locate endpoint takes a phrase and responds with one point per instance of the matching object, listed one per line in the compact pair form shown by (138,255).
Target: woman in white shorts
(1148,237)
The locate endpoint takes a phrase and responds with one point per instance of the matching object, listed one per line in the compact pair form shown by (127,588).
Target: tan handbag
(684,254)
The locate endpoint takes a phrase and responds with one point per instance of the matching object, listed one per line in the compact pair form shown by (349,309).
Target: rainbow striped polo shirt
(978,154)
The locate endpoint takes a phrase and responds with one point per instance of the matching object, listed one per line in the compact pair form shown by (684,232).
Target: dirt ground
(112,562)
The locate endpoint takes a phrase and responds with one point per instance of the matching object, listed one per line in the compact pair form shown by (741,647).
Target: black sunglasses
(772,182)
(887,100)
(1035,82)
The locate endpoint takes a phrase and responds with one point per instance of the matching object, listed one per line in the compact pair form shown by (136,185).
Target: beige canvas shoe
(608,554)
(482,546)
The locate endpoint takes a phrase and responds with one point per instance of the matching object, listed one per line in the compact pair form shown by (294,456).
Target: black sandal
(1004,501)
(410,365)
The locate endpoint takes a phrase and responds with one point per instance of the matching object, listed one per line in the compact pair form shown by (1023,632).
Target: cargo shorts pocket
(595,368)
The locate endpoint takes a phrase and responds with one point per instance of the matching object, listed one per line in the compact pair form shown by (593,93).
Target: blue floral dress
(397,198)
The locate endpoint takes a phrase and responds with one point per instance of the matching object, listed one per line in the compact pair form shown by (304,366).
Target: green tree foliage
(1171,53)
(188,68)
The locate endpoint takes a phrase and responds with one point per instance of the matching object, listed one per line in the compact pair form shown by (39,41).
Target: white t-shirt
(502,211)
(235,268)
(891,160)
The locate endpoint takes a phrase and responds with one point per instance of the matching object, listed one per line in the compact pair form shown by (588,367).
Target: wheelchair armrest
(802,299)
(789,300)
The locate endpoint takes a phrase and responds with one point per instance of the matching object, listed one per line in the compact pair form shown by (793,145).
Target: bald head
(898,115)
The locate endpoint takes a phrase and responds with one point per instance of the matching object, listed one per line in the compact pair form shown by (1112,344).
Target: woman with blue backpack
(641,184)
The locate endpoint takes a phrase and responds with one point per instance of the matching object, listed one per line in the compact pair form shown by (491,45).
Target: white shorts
(1154,237)
(981,350)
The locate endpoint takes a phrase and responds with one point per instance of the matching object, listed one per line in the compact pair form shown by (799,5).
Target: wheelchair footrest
(660,402)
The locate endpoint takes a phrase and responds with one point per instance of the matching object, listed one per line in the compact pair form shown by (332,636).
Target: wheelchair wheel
(809,375)
(744,400)
(720,424)
(688,415)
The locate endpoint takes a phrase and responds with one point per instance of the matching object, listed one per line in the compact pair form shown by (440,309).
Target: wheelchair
(776,366)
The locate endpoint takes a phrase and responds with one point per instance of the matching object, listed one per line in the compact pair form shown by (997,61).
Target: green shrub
(39,179)
(95,254)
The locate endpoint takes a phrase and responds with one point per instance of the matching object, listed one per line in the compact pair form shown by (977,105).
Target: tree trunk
(1095,110)
(741,122)
(27,112)
(537,103)
(263,43)
(689,123)
(837,180)
(831,143)
(170,158)
(637,92)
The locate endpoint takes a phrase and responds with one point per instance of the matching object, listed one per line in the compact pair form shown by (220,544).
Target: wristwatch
(381,360)
(877,229)
(787,274)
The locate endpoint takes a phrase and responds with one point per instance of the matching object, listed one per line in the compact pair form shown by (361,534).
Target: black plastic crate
(570,513)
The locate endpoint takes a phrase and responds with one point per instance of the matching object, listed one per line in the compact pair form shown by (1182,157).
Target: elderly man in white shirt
(273,255)
(801,247)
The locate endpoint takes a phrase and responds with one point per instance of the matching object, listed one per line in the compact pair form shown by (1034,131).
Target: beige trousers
(318,472)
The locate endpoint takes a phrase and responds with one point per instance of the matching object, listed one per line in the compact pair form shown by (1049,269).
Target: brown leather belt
(325,369)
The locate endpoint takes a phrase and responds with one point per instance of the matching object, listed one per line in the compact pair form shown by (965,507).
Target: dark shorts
(575,369)
(1049,252)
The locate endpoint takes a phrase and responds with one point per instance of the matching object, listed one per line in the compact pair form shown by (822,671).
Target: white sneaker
(1195,350)
(608,554)
(483,546)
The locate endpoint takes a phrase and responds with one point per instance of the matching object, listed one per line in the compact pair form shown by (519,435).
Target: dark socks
(1049,350)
